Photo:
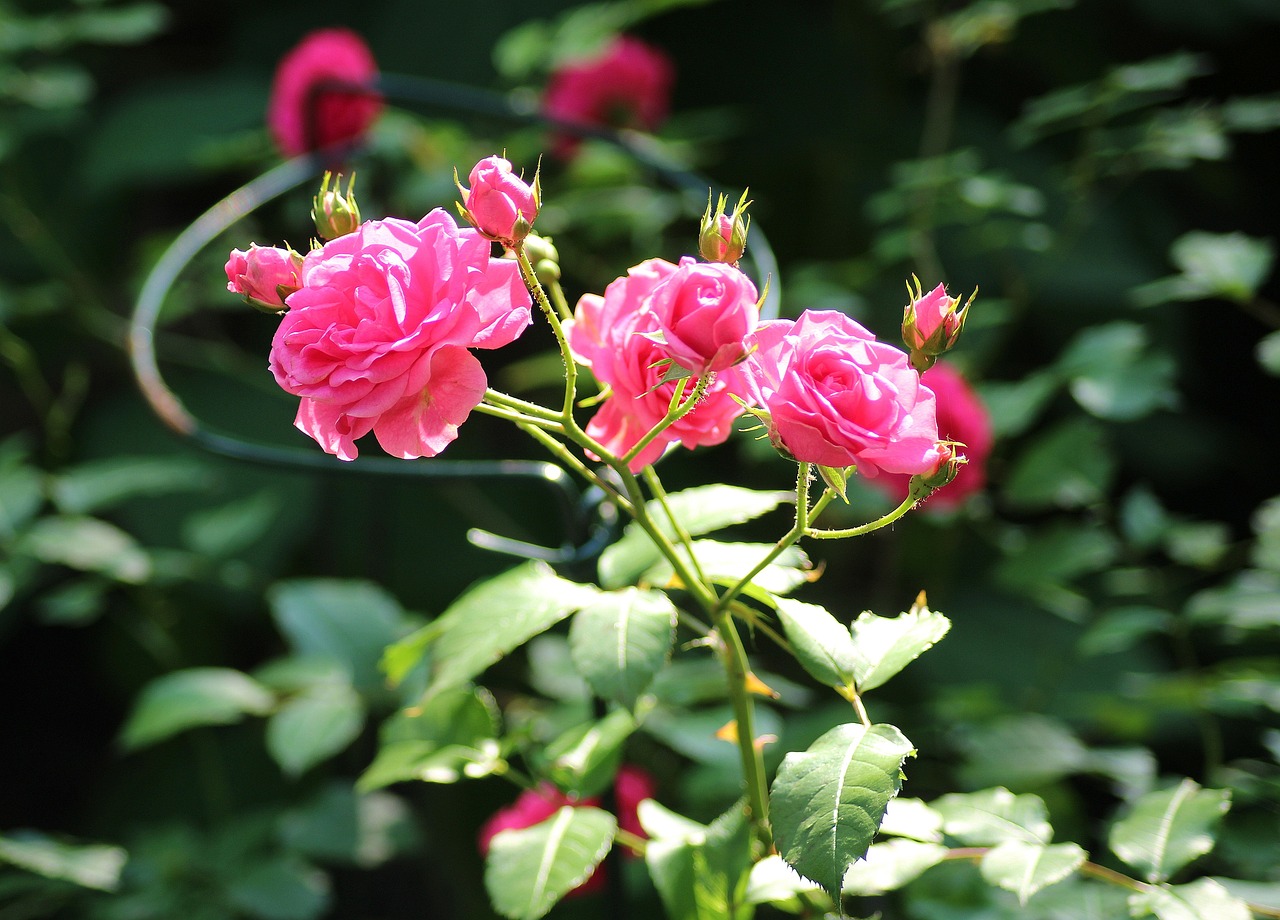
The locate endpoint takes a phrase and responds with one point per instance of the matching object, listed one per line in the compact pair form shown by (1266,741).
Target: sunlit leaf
(527,871)
(890,865)
(196,696)
(621,640)
(1169,828)
(1025,868)
(826,803)
(1203,899)
(820,642)
(89,865)
(883,646)
(992,816)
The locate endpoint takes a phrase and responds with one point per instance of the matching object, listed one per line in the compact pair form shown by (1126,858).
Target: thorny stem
(912,498)
(675,412)
(798,529)
(553,318)
(655,487)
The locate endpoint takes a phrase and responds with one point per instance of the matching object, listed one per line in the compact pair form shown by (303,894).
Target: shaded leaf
(1068,467)
(826,803)
(313,726)
(89,865)
(89,545)
(196,696)
(284,888)
(700,871)
(584,759)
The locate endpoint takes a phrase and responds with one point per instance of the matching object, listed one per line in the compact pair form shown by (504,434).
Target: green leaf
(584,759)
(233,527)
(820,642)
(772,881)
(1169,828)
(992,816)
(912,818)
(90,487)
(699,510)
(1203,899)
(1015,405)
(620,641)
(347,621)
(527,871)
(89,865)
(497,616)
(196,696)
(89,545)
(883,646)
(1267,352)
(21,495)
(284,888)
(313,726)
(1249,601)
(826,803)
(890,865)
(700,871)
(1025,868)
(1071,466)
(402,761)
(1115,375)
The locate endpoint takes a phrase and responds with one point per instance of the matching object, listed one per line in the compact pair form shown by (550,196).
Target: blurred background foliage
(189,644)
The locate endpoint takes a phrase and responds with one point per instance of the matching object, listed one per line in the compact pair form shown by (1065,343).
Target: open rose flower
(961,418)
(628,85)
(321,93)
(704,312)
(500,204)
(631,786)
(377,337)
(837,397)
(264,275)
(614,336)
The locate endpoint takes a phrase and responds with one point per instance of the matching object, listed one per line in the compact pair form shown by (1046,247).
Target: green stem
(675,412)
(533,410)
(734,657)
(519,418)
(570,366)
(655,488)
(558,298)
(914,496)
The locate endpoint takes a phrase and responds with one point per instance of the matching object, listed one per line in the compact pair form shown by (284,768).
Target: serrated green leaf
(1169,828)
(772,881)
(700,871)
(890,865)
(89,865)
(193,697)
(1025,868)
(992,816)
(700,510)
(820,642)
(826,803)
(496,617)
(883,646)
(527,871)
(313,726)
(1203,899)
(621,640)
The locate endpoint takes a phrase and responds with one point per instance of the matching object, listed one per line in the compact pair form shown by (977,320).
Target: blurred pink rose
(628,85)
(961,417)
(631,786)
(317,98)
(839,398)
(610,334)
(499,203)
(264,275)
(705,311)
(376,338)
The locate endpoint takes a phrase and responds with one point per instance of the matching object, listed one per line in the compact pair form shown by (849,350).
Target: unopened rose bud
(932,323)
(723,237)
(264,276)
(499,204)
(335,214)
(543,257)
(949,462)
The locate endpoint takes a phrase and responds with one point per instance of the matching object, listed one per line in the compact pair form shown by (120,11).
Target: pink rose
(612,335)
(627,85)
(962,418)
(264,275)
(705,311)
(839,398)
(376,338)
(631,786)
(499,203)
(322,92)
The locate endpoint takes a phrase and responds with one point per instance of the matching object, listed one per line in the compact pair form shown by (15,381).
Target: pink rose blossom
(704,311)
(628,85)
(264,275)
(321,93)
(533,806)
(962,418)
(839,398)
(377,337)
(499,203)
(612,335)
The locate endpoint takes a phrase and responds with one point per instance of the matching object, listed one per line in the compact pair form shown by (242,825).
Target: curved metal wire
(586,531)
